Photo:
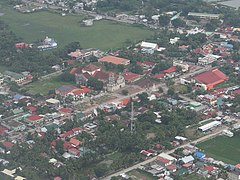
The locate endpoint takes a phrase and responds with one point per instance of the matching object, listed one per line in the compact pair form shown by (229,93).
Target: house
(34,119)
(48,43)
(3,130)
(170,72)
(172,168)
(90,69)
(146,64)
(187,159)
(53,102)
(16,77)
(163,162)
(22,45)
(158,76)
(209,79)
(114,60)
(14,125)
(74,151)
(131,77)
(74,92)
(65,111)
(7,145)
(74,142)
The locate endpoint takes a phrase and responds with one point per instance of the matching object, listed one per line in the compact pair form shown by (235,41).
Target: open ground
(223,148)
(103,34)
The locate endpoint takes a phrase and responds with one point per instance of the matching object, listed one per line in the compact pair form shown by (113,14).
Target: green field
(223,148)
(103,34)
(43,86)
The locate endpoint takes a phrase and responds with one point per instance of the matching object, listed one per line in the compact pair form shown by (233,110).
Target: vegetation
(223,148)
(67,29)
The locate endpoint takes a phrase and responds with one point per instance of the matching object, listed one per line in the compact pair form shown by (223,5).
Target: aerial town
(163,106)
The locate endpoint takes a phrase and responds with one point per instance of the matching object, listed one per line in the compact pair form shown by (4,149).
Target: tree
(171,91)
(67,77)
(101,170)
(135,68)
(164,20)
(143,97)
(125,92)
(95,84)
(178,23)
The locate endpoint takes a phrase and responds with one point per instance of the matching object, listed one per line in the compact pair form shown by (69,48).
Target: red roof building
(57,178)
(211,78)
(7,144)
(170,70)
(237,166)
(35,119)
(158,76)
(65,110)
(3,130)
(209,168)
(131,77)
(114,60)
(164,161)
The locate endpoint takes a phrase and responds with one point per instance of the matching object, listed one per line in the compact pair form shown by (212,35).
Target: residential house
(72,91)
(34,119)
(114,60)
(16,77)
(14,125)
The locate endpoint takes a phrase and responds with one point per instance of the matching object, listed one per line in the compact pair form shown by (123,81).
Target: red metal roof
(209,168)
(158,76)
(163,160)
(34,118)
(7,144)
(170,70)
(129,76)
(91,68)
(211,77)
(65,110)
(3,130)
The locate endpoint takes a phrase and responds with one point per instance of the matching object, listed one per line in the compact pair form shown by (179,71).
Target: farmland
(223,148)
(103,34)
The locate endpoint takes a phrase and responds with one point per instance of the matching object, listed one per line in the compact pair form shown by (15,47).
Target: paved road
(121,97)
(204,138)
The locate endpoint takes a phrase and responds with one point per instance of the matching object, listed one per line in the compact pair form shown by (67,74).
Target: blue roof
(66,88)
(199,154)
(18,97)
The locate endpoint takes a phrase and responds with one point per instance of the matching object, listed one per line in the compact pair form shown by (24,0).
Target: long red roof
(211,77)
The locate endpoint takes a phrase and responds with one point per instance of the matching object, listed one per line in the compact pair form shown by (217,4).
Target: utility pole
(133,127)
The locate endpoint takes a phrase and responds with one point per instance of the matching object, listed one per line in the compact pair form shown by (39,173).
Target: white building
(210,126)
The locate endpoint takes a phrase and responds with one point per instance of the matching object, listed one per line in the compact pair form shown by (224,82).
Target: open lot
(43,86)
(65,29)
(141,175)
(223,148)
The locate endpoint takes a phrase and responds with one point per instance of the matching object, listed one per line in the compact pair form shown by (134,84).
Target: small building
(16,77)
(34,119)
(210,126)
(204,15)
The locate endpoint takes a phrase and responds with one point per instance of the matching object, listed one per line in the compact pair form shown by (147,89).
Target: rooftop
(114,60)
(211,77)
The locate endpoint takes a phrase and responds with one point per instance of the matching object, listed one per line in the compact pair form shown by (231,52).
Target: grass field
(223,148)
(103,34)
(137,174)
(43,86)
